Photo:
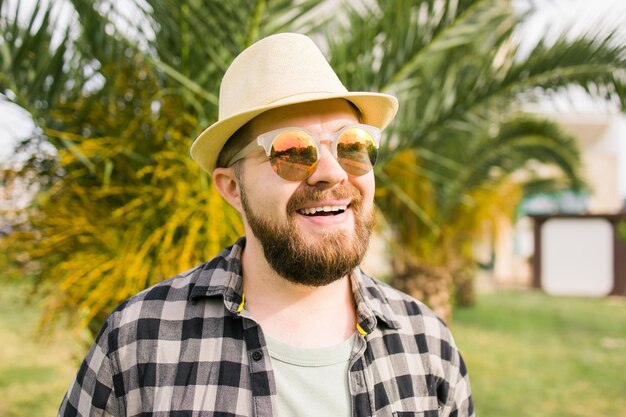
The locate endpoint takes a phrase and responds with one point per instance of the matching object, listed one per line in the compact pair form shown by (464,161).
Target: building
(599,138)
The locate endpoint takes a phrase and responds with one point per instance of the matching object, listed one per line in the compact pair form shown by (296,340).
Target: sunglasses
(294,152)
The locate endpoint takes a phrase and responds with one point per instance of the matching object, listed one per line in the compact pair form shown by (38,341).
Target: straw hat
(277,71)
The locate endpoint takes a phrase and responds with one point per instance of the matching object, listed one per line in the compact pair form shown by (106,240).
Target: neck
(296,314)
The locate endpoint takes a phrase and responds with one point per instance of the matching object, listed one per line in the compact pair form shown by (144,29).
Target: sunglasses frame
(266,140)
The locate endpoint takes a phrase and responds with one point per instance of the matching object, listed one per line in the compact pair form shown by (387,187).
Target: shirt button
(257,355)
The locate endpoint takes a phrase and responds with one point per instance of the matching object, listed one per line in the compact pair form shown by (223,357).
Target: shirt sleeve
(91,393)
(460,403)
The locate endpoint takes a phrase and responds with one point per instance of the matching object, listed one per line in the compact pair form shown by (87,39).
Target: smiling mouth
(323,211)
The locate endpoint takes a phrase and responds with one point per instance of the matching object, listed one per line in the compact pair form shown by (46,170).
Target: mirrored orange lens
(356,151)
(293,155)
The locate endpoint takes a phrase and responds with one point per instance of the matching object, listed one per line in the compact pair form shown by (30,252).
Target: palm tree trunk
(429,284)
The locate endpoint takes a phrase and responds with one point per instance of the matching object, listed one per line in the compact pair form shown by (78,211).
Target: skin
(297,314)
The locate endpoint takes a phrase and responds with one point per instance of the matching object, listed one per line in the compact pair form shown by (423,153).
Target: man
(283,323)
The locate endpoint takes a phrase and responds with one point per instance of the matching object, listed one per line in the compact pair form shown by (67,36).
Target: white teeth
(327,209)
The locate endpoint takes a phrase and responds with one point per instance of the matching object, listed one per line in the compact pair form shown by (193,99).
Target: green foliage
(124,210)
(621,230)
(461,84)
(120,97)
(128,211)
(33,71)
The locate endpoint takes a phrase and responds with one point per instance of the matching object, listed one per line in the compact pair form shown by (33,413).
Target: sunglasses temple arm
(243,152)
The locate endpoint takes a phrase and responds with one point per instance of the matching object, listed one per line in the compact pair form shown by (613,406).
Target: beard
(299,261)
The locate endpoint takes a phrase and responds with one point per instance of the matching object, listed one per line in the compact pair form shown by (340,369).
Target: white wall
(577,257)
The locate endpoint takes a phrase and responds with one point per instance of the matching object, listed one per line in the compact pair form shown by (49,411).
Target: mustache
(308,194)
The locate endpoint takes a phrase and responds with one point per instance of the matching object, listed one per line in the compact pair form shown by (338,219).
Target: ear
(226,183)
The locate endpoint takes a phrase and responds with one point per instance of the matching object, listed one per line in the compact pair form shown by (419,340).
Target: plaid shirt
(182,348)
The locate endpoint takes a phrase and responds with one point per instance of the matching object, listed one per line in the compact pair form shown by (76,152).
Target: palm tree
(462,131)
(123,92)
(122,205)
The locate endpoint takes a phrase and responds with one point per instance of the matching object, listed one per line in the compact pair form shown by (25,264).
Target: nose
(328,169)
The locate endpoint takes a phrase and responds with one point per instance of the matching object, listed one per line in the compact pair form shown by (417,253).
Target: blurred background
(500,185)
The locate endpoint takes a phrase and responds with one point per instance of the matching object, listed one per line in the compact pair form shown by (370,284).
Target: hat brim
(376,109)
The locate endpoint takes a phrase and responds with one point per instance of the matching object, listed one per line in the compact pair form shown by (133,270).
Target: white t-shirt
(311,382)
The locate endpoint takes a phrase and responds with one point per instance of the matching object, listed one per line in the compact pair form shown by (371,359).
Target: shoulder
(426,346)
(175,289)
(399,302)
(217,278)
(410,315)
(146,310)
(408,325)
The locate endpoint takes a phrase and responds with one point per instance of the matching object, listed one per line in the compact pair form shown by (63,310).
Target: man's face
(301,241)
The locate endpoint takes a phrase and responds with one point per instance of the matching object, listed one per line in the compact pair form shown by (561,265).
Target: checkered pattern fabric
(180,348)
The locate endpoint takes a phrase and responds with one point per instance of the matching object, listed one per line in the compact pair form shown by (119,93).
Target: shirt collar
(371,303)
(222,276)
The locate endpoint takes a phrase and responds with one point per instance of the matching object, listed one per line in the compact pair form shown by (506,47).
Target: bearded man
(284,322)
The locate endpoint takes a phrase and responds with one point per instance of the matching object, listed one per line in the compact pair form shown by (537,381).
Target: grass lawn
(34,375)
(530,354)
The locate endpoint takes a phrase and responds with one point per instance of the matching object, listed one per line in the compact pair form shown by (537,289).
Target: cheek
(366,186)
(267,191)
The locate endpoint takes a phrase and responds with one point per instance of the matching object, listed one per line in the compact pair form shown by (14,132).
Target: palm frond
(121,96)
(517,140)
(33,72)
